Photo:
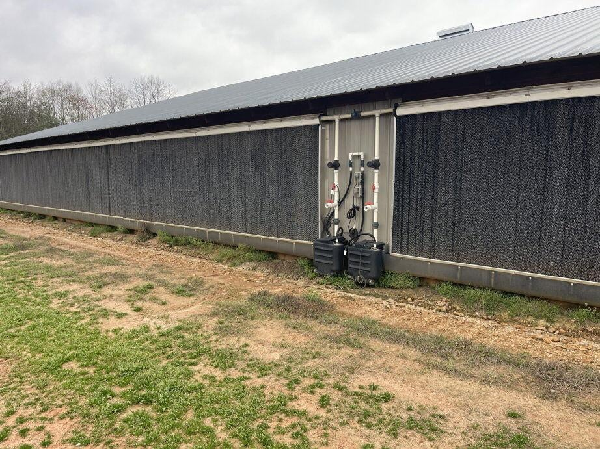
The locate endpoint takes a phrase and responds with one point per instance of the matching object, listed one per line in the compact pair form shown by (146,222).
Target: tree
(115,96)
(23,111)
(107,97)
(67,100)
(145,90)
(29,107)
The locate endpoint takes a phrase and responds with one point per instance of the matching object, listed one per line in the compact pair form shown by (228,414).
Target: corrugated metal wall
(262,182)
(514,187)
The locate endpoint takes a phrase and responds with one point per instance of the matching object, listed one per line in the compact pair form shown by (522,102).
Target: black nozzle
(374,164)
(335,164)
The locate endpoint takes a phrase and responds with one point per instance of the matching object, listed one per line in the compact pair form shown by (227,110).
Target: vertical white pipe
(336,194)
(376,177)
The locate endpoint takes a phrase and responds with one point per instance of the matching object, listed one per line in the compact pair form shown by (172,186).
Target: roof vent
(455,31)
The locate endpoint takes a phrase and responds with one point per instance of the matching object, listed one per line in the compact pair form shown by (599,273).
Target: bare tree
(29,107)
(149,89)
(23,111)
(67,100)
(116,97)
(95,98)
(107,97)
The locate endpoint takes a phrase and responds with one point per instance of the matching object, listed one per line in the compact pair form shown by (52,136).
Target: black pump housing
(329,257)
(365,261)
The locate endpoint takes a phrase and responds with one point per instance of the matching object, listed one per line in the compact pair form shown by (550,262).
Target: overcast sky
(197,44)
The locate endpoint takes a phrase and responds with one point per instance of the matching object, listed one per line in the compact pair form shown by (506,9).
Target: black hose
(329,216)
(362,187)
(356,237)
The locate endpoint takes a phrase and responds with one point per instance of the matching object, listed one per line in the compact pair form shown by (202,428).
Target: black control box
(365,261)
(329,257)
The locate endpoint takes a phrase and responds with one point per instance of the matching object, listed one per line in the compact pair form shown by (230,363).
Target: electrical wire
(328,218)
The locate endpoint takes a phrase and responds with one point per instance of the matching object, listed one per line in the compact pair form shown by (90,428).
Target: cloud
(197,44)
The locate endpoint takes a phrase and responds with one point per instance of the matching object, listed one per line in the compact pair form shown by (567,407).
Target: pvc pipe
(376,178)
(336,180)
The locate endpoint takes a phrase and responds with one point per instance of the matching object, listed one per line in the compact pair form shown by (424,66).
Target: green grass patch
(505,438)
(494,303)
(143,289)
(389,279)
(4,434)
(341,281)
(236,256)
(97,230)
(145,235)
(188,288)
(137,368)
(231,255)
(139,386)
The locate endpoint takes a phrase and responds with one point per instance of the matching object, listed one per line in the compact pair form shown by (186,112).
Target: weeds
(97,230)
(123,230)
(393,280)
(188,288)
(308,306)
(173,241)
(143,289)
(236,256)
(504,438)
(389,279)
(231,255)
(144,235)
(495,303)
(340,281)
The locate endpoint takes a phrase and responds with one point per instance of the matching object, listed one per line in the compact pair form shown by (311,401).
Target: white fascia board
(209,131)
(512,96)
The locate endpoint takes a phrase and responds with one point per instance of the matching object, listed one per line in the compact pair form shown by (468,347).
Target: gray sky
(197,44)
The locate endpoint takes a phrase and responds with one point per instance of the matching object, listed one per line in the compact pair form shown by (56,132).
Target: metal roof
(560,36)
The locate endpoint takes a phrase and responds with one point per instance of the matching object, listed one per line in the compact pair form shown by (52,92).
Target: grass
(145,235)
(138,387)
(97,230)
(143,289)
(188,288)
(389,279)
(4,434)
(150,370)
(456,356)
(143,387)
(230,255)
(505,438)
(498,304)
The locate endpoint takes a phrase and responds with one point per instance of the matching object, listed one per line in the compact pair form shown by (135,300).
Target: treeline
(28,107)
